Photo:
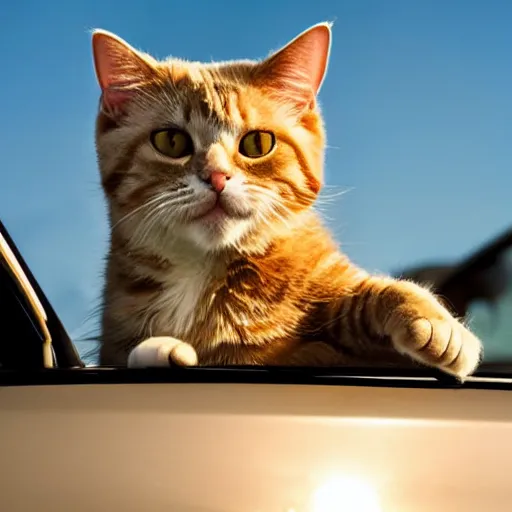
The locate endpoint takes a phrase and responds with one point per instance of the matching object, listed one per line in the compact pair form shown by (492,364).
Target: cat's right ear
(120,70)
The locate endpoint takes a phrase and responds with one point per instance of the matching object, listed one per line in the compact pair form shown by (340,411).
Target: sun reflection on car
(345,493)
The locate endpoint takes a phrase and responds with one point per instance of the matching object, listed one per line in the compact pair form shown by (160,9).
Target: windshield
(417,109)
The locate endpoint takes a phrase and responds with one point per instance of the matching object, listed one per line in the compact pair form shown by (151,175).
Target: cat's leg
(415,321)
(161,351)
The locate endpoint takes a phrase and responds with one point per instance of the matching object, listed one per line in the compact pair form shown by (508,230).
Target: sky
(417,103)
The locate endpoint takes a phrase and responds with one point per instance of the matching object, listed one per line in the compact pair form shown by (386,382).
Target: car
(232,439)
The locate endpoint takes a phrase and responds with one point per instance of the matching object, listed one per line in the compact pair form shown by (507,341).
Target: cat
(216,256)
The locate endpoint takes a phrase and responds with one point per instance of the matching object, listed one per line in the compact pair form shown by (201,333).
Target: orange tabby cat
(216,256)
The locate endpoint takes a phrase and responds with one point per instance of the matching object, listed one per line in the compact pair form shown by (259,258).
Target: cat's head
(215,155)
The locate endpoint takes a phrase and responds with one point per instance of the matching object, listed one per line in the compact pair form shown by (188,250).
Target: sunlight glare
(345,494)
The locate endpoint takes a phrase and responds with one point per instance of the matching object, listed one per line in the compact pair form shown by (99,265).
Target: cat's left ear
(297,70)
(120,69)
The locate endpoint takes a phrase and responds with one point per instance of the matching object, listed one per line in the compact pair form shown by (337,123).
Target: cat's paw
(430,335)
(441,342)
(162,351)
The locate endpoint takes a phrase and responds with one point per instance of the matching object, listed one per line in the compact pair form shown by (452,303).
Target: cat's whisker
(272,195)
(323,207)
(269,194)
(160,202)
(325,202)
(134,212)
(259,189)
(158,216)
(163,211)
(162,197)
(145,228)
(334,195)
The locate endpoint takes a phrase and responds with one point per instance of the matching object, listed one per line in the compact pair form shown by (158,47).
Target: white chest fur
(183,301)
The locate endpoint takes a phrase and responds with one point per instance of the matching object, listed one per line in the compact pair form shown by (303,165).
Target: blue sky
(417,101)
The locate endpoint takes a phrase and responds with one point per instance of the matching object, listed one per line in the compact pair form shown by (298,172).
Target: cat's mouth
(215,214)
(217,210)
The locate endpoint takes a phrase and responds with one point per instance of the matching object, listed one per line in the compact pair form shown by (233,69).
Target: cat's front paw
(162,351)
(441,342)
(428,333)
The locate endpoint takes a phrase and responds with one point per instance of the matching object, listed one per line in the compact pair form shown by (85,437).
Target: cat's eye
(257,143)
(172,142)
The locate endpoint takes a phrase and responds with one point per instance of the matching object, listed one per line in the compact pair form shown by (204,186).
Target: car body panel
(186,447)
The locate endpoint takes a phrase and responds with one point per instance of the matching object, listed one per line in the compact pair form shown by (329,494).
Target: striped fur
(265,284)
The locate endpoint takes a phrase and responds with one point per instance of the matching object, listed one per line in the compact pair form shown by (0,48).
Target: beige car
(76,438)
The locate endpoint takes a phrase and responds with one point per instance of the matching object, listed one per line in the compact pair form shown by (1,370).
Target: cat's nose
(217,180)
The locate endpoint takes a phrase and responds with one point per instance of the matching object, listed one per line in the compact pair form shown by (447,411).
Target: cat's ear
(120,69)
(296,71)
